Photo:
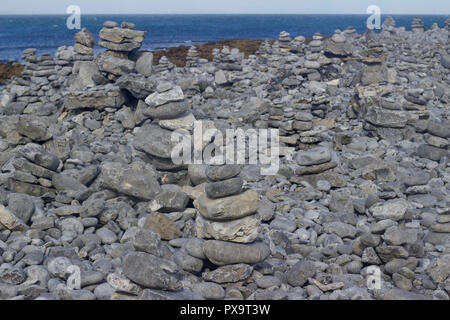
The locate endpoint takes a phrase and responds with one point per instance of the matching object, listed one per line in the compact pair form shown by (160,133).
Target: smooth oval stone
(223,253)
(229,208)
(225,188)
(110,24)
(219,173)
(169,110)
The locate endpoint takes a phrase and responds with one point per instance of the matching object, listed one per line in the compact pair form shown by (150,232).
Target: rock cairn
(374,60)
(284,39)
(337,45)
(229,215)
(119,42)
(167,108)
(436,138)
(417,25)
(164,65)
(226,59)
(388,24)
(298,45)
(84,45)
(192,57)
(316,45)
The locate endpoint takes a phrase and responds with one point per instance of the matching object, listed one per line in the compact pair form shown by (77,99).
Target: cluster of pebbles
(94,206)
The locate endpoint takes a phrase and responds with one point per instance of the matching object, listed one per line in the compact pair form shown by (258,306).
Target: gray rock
(224,188)
(223,253)
(219,173)
(136,180)
(194,247)
(149,271)
(313,157)
(299,273)
(229,274)
(160,145)
(147,241)
(106,235)
(187,262)
(144,64)
(244,230)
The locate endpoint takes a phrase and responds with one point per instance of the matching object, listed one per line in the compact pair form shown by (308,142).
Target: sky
(225,6)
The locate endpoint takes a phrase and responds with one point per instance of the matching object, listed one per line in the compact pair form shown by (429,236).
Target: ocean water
(48,32)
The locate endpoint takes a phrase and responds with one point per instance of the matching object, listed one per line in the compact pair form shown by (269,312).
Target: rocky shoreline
(92,205)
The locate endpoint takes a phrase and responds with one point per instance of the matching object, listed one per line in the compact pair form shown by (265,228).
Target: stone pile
(228,214)
(228,60)
(447,24)
(316,45)
(192,57)
(84,46)
(119,42)
(375,68)
(337,45)
(164,65)
(284,39)
(298,45)
(312,66)
(388,24)
(437,141)
(417,25)
(36,91)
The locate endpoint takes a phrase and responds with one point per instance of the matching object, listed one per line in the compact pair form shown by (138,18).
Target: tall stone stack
(282,118)
(447,24)
(417,25)
(229,60)
(228,214)
(119,42)
(66,57)
(168,109)
(84,46)
(375,68)
(284,39)
(316,44)
(312,66)
(192,57)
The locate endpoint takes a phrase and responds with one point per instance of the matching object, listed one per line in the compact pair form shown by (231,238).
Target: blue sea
(48,32)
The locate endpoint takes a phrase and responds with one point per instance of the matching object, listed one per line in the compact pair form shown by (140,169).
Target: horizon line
(218,13)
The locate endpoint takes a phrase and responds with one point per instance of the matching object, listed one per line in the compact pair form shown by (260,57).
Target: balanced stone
(219,173)
(244,230)
(233,207)
(223,253)
(224,188)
